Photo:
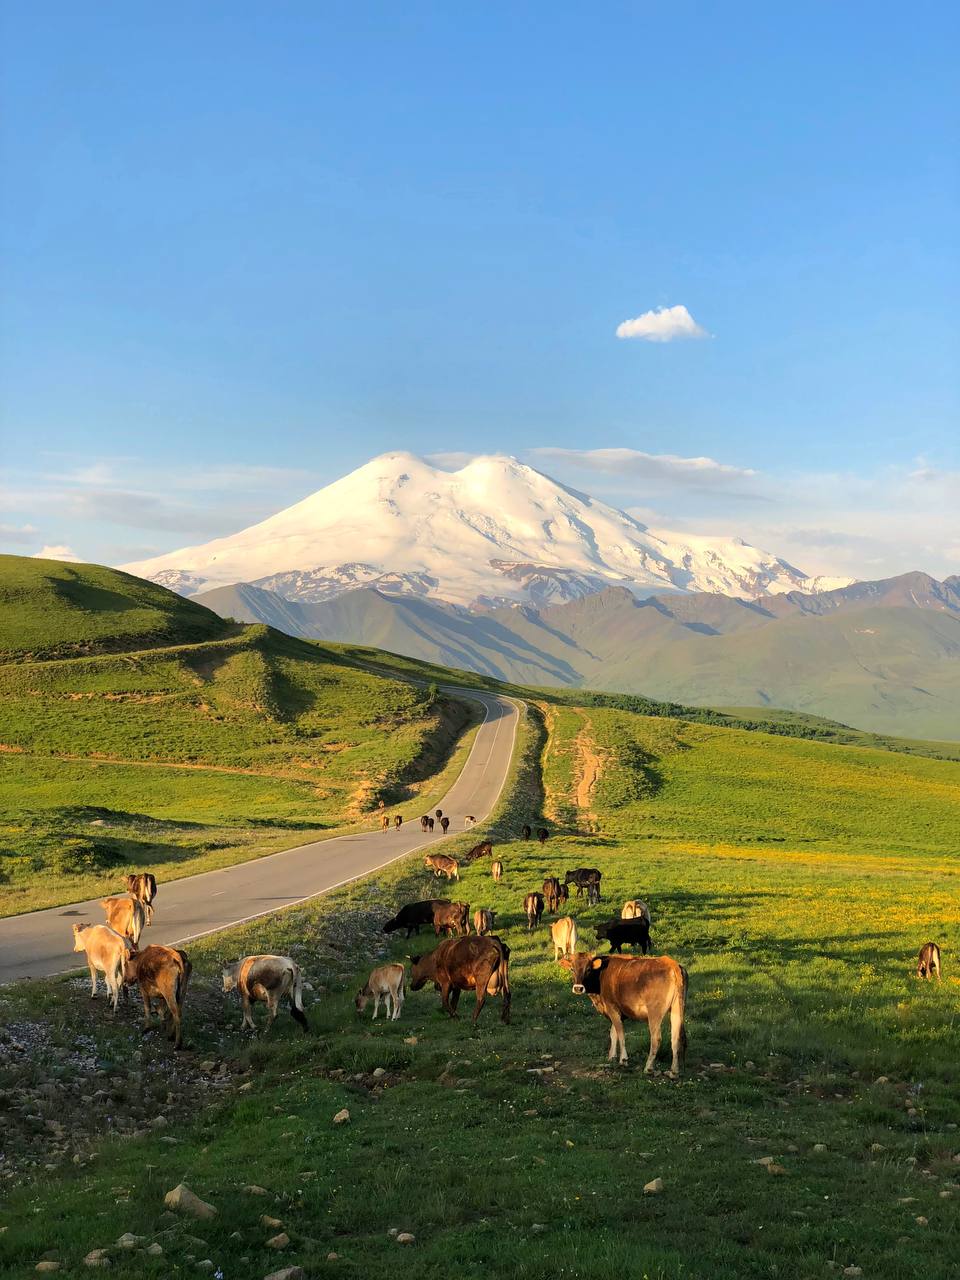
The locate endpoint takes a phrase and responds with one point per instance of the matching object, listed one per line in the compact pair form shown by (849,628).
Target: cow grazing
(385,822)
(585,878)
(563,896)
(161,973)
(551,894)
(126,915)
(442,865)
(142,885)
(466,964)
(398,821)
(483,920)
(385,983)
(469,821)
(629,932)
(444,825)
(542,834)
(453,918)
(414,914)
(424,823)
(266,978)
(533,909)
(630,987)
(525,832)
(482,850)
(106,952)
(635,910)
(928,962)
(496,870)
(564,935)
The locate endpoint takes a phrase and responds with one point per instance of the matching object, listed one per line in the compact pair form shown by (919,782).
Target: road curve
(40,943)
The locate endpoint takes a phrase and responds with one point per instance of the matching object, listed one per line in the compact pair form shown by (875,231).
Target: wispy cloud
(452,461)
(697,473)
(18,535)
(663,324)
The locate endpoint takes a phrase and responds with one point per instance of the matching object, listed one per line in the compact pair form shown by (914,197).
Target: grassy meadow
(794,880)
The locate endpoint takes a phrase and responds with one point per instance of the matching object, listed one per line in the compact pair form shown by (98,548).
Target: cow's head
(420,972)
(586,969)
(603,931)
(360,1000)
(231,975)
(78,931)
(131,967)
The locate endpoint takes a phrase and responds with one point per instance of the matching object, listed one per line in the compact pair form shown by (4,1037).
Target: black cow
(414,914)
(551,894)
(444,824)
(430,825)
(542,834)
(526,833)
(424,823)
(631,932)
(585,878)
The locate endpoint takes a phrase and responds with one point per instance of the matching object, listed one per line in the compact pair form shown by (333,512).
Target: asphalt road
(40,943)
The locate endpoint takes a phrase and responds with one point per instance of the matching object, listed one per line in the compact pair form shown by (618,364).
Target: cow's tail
(296,999)
(503,981)
(678,1017)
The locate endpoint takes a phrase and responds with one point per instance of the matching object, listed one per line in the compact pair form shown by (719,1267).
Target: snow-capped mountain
(494,532)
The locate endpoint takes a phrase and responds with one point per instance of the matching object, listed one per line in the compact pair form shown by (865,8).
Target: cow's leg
(247,1013)
(481,995)
(654,1023)
(376,1005)
(273,1008)
(93,979)
(398,1001)
(617,1038)
(449,999)
(146,1010)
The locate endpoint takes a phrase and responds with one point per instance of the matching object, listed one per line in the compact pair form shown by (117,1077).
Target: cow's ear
(597,963)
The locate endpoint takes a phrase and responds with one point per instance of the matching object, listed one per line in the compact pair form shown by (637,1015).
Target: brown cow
(162,973)
(106,951)
(386,983)
(143,887)
(533,907)
(453,918)
(482,850)
(564,935)
(424,824)
(633,987)
(466,964)
(496,870)
(442,865)
(398,821)
(267,978)
(483,920)
(928,962)
(525,832)
(126,916)
(563,896)
(551,894)
(385,822)
(444,824)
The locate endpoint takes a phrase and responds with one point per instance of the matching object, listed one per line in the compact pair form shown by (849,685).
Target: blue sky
(246,248)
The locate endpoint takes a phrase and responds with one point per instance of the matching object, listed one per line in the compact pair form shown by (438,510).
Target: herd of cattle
(620,987)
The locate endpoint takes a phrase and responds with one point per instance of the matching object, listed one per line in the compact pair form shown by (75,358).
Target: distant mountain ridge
(494,532)
(881,655)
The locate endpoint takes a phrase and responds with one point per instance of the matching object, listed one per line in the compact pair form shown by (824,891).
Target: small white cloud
(663,324)
(18,533)
(695,472)
(57,552)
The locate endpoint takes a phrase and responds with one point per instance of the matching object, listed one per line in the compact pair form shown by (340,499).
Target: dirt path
(589,769)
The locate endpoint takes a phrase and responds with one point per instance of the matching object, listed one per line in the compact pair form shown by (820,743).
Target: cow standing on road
(444,824)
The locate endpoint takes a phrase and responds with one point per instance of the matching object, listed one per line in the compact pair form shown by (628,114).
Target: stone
(292,1273)
(853,1271)
(266,1221)
(378,1072)
(155,1250)
(404,1237)
(128,1240)
(877,1147)
(920,1220)
(653,1188)
(245,1087)
(278,1242)
(97,1258)
(331,1257)
(882,1080)
(410,1040)
(538,1227)
(766,1160)
(184,1200)
(47,1264)
(251,1189)
(342,1116)
(820,1147)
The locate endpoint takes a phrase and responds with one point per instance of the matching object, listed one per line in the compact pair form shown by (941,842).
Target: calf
(469,821)
(385,822)
(585,878)
(496,870)
(631,932)
(564,935)
(266,978)
(525,832)
(533,907)
(442,865)
(453,918)
(483,920)
(928,963)
(466,964)
(106,952)
(635,910)
(444,825)
(551,894)
(630,987)
(126,916)
(161,973)
(385,983)
(143,886)
(414,914)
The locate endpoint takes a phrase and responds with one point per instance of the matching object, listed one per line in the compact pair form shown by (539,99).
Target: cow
(551,894)
(542,834)
(482,850)
(266,978)
(161,973)
(483,920)
(631,932)
(635,910)
(424,824)
(469,821)
(928,962)
(126,916)
(438,814)
(533,909)
(525,832)
(442,865)
(564,935)
(563,896)
(385,822)
(634,987)
(466,964)
(496,870)
(398,821)
(143,886)
(585,878)
(414,914)
(453,918)
(385,983)
(106,952)
(444,825)
(430,825)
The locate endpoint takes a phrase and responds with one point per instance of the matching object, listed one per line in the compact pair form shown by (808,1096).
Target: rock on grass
(183,1199)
